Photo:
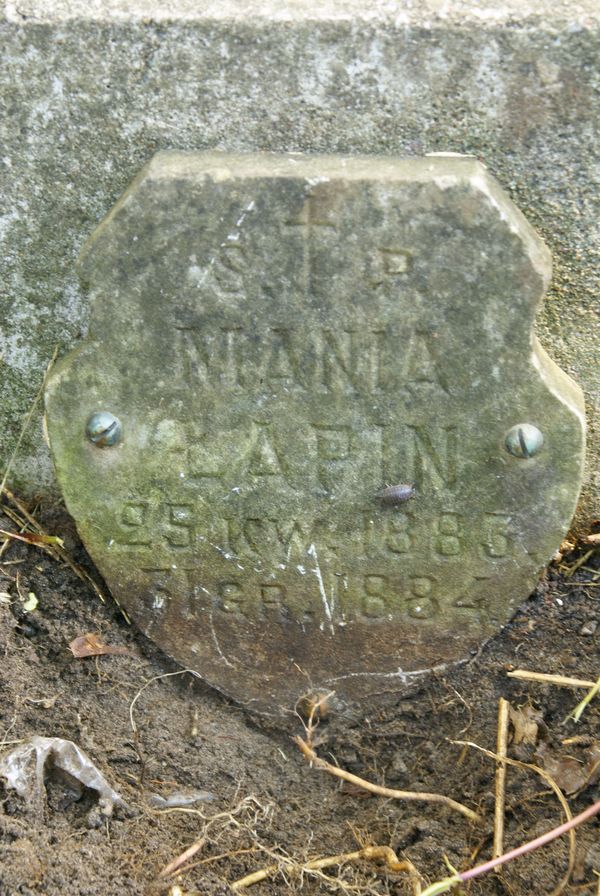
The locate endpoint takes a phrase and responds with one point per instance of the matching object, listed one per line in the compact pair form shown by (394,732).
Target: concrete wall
(90,91)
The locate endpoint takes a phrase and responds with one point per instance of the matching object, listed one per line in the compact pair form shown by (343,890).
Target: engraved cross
(312,216)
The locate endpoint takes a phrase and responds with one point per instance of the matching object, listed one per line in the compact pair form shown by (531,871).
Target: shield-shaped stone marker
(311,440)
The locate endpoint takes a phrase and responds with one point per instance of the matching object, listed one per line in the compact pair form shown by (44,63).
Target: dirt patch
(268,803)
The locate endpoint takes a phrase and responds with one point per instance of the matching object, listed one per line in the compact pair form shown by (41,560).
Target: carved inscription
(496,542)
(346,361)
(315,215)
(248,545)
(332,455)
(283,339)
(367,596)
(226,274)
(245,544)
(175,525)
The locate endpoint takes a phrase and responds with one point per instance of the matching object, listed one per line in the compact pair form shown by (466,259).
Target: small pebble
(589,627)
(398,765)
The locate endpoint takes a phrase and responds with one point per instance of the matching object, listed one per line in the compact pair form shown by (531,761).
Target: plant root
(368,853)
(310,754)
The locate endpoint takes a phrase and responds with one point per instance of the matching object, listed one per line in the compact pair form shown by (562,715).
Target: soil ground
(269,806)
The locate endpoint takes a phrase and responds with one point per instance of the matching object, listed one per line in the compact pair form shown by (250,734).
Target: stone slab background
(89,91)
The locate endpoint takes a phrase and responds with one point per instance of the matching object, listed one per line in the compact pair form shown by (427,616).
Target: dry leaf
(592,764)
(525,721)
(91,645)
(571,774)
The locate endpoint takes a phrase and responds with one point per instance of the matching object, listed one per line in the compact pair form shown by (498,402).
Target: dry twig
(571,570)
(501,749)
(560,797)
(562,682)
(24,519)
(543,677)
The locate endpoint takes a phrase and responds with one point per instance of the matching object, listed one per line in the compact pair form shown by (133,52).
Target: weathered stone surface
(284,339)
(89,91)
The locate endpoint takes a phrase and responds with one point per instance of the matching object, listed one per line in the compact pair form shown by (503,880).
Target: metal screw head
(104,429)
(523,440)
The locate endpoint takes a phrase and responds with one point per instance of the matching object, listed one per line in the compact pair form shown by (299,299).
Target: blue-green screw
(523,440)
(104,429)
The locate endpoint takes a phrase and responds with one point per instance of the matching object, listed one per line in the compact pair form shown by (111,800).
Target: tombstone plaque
(311,440)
